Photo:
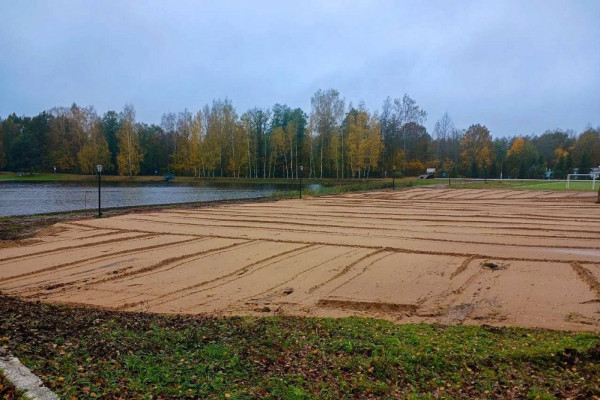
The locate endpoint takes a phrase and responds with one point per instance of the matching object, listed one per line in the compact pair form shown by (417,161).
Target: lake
(27,198)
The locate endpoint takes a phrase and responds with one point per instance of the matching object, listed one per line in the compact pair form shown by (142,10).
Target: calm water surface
(19,198)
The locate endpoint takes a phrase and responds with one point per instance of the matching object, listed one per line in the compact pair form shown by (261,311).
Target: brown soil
(421,255)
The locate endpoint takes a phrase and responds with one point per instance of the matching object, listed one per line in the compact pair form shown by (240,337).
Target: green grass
(333,187)
(43,177)
(574,185)
(518,184)
(87,353)
(37,177)
(327,182)
(329,186)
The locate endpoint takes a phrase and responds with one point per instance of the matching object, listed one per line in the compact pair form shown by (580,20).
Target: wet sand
(497,257)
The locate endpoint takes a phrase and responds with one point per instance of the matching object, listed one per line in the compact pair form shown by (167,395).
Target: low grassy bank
(517,184)
(88,353)
(328,182)
(44,177)
(346,186)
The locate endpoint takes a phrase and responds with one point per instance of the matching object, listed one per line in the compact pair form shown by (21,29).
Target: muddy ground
(497,257)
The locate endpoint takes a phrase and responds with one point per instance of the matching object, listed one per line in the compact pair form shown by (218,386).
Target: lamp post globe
(99,169)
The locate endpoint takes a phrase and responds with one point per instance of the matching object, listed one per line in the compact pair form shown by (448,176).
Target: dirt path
(499,257)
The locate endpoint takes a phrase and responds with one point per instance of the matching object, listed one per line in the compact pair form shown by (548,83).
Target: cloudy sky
(519,67)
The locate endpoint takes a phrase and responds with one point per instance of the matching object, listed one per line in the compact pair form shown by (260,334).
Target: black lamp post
(394,178)
(99,169)
(301,169)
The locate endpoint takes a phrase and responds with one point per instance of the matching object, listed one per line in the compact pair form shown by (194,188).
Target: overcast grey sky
(518,67)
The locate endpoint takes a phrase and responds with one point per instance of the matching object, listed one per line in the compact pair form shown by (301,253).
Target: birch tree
(327,111)
(442,132)
(130,155)
(95,151)
(195,146)
(407,111)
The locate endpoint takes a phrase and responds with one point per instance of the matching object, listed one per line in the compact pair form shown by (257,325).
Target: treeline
(336,140)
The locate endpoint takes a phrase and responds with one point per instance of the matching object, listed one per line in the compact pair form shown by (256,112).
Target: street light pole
(301,169)
(99,169)
(394,178)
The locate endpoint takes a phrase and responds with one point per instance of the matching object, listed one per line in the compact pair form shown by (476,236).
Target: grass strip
(91,353)
(516,184)
(348,186)
(459,183)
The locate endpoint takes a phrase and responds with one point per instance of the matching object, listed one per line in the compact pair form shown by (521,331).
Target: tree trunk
(292,158)
(265,159)
(321,158)
(311,160)
(249,172)
(342,154)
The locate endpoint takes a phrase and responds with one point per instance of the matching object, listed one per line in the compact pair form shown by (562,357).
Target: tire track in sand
(341,233)
(441,304)
(365,268)
(172,260)
(367,226)
(294,276)
(93,244)
(346,270)
(462,267)
(100,257)
(587,276)
(367,246)
(235,275)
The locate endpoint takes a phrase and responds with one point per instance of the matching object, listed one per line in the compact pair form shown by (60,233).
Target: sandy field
(497,257)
